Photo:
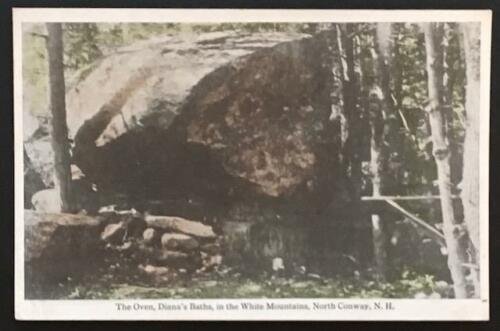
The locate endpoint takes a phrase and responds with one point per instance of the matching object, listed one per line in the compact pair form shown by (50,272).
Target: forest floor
(235,285)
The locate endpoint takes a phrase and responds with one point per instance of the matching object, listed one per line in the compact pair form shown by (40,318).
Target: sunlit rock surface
(218,116)
(174,63)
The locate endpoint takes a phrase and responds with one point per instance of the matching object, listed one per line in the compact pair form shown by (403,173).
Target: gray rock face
(267,114)
(58,246)
(215,116)
(179,241)
(172,66)
(62,237)
(48,200)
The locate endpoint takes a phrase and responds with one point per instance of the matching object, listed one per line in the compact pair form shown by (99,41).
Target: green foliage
(411,166)
(81,45)
(86,43)
(409,285)
(35,70)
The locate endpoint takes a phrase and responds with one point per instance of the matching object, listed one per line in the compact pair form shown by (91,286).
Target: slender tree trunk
(382,121)
(470,179)
(346,76)
(349,114)
(378,226)
(358,127)
(352,123)
(60,142)
(452,229)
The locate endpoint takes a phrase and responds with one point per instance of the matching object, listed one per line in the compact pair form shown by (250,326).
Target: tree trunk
(452,229)
(347,102)
(346,79)
(60,142)
(376,171)
(380,115)
(470,179)
(352,148)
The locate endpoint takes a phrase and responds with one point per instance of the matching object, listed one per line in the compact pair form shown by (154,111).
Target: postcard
(244,164)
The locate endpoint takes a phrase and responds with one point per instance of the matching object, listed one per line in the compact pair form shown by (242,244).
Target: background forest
(397,124)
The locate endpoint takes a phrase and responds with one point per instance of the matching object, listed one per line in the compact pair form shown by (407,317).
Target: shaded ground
(229,284)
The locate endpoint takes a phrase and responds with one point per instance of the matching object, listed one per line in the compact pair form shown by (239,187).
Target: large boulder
(154,77)
(267,114)
(60,237)
(49,201)
(219,117)
(58,247)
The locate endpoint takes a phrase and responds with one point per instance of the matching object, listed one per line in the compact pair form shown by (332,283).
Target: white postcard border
(404,309)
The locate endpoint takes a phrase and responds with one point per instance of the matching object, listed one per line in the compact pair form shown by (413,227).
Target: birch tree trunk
(470,178)
(453,231)
(60,142)
(346,108)
(380,117)
(350,116)
(376,166)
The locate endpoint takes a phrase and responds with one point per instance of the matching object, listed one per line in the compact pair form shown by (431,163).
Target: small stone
(309,109)
(47,201)
(125,247)
(278,264)
(149,236)
(168,256)
(114,233)
(211,262)
(179,241)
(215,260)
(153,270)
(107,209)
(251,288)
(313,276)
(435,295)
(210,248)
(420,295)
(300,285)
(209,283)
